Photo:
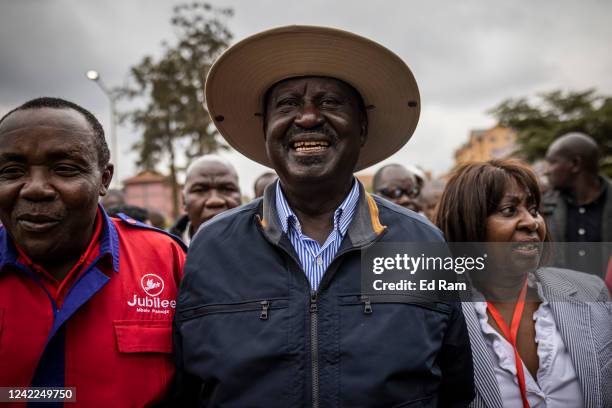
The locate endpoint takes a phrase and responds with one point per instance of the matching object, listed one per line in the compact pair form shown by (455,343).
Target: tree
(554,114)
(174,120)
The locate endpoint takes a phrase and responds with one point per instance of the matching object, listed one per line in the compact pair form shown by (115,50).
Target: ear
(107,176)
(577,164)
(183,200)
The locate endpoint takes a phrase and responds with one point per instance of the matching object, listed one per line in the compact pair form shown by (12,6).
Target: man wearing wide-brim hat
(270,312)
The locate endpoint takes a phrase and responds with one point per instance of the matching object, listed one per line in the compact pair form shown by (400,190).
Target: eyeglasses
(396,193)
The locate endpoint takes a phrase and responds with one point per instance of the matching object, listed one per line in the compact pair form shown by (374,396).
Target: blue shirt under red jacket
(105,329)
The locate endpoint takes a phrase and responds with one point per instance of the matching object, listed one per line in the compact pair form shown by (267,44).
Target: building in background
(150,190)
(495,143)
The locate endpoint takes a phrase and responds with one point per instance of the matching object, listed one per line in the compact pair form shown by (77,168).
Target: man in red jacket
(86,301)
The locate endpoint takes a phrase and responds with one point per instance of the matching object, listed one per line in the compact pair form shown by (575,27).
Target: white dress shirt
(557,385)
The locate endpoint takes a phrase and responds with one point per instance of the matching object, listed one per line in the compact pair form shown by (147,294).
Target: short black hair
(58,103)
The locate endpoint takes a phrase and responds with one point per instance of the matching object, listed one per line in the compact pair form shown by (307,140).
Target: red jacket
(106,330)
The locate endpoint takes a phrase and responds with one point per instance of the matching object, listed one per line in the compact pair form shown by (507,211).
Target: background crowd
(576,202)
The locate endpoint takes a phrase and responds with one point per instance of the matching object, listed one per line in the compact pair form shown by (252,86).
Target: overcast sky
(467,56)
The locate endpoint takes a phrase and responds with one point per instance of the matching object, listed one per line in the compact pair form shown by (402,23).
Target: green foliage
(169,90)
(554,114)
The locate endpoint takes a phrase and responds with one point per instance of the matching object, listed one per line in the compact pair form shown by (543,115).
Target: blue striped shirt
(315,258)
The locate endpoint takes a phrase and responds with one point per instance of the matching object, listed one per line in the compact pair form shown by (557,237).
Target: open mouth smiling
(311,146)
(527,248)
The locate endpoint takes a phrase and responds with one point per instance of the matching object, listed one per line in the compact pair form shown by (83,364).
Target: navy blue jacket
(249,332)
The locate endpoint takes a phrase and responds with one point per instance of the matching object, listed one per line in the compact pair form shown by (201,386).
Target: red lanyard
(510,334)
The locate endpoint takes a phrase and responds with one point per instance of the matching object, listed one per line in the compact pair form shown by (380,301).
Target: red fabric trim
(510,333)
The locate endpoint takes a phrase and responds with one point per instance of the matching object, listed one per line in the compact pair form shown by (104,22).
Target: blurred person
(430,196)
(579,210)
(545,187)
(271,308)
(262,182)
(113,198)
(540,336)
(211,187)
(420,176)
(86,300)
(398,185)
(132,211)
(157,219)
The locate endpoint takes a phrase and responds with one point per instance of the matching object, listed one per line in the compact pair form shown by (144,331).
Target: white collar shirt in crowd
(557,385)
(315,258)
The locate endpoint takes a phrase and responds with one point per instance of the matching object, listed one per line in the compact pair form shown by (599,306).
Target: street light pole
(95,77)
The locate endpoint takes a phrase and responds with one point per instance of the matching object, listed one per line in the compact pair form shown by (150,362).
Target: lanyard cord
(510,333)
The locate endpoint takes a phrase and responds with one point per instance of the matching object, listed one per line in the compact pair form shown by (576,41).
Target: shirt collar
(109,243)
(601,196)
(342,216)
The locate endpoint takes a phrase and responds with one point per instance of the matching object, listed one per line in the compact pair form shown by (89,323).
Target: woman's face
(516,221)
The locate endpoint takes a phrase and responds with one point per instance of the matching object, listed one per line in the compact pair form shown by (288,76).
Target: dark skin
(211,187)
(50,183)
(262,183)
(572,167)
(394,177)
(314,131)
(516,220)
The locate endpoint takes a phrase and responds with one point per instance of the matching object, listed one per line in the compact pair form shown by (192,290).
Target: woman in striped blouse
(541,337)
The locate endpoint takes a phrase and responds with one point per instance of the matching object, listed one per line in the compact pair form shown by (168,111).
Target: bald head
(209,160)
(570,156)
(397,184)
(576,144)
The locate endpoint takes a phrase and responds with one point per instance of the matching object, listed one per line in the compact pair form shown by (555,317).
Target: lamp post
(95,76)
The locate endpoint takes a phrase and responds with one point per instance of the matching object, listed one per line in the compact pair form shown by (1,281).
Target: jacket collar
(554,288)
(109,243)
(364,228)
(573,317)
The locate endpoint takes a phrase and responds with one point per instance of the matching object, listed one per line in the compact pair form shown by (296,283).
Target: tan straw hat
(239,79)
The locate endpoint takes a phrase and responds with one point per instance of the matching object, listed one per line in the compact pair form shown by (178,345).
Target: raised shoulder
(587,287)
(130,223)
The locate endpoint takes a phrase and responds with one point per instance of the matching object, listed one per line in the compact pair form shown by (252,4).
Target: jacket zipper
(264,306)
(367,305)
(314,317)
(423,302)
(314,326)
(314,347)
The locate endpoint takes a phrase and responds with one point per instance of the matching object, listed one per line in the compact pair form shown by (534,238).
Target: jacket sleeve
(455,362)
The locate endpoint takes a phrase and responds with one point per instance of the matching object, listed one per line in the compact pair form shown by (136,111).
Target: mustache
(28,209)
(323,130)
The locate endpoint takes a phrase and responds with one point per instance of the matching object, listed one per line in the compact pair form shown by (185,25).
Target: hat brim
(238,80)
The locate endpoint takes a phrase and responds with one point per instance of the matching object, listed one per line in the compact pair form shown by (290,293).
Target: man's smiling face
(50,181)
(314,129)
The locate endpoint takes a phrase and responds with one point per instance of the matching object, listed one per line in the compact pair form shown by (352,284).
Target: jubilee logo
(152,285)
